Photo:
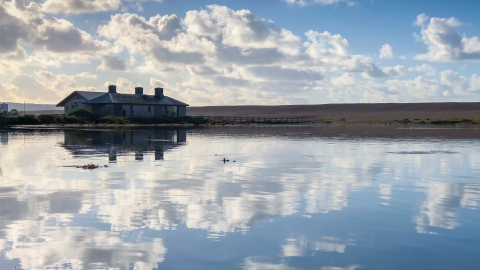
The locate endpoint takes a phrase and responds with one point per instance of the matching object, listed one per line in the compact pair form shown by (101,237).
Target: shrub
(27,119)
(19,120)
(82,114)
(46,118)
(5,120)
(454,121)
(110,119)
(74,120)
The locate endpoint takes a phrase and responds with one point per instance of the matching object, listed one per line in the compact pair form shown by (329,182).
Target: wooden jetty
(265,120)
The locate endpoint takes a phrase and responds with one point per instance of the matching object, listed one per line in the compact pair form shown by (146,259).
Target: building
(130,105)
(4,108)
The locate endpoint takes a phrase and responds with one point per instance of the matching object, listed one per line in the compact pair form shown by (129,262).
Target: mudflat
(351,112)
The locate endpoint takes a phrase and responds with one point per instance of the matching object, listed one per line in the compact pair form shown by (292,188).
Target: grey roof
(90,95)
(116,98)
(85,94)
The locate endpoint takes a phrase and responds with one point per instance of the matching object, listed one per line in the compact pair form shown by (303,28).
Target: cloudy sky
(216,52)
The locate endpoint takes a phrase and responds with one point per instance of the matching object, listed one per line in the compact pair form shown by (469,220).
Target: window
(149,109)
(73,106)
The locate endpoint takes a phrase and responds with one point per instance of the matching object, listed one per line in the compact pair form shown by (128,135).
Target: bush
(110,119)
(19,120)
(27,120)
(47,118)
(74,120)
(5,120)
(82,114)
(454,121)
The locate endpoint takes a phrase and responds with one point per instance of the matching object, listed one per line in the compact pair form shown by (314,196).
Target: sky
(230,52)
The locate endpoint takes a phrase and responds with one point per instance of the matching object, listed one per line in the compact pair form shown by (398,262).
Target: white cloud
(271,73)
(86,75)
(375,72)
(11,63)
(346,79)
(86,6)
(448,85)
(386,51)
(111,62)
(421,20)
(80,6)
(21,23)
(326,44)
(444,43)
(319,2)
(123,85)
(425,68)
(61,36)
(215,56)
(42,86)
(242,29)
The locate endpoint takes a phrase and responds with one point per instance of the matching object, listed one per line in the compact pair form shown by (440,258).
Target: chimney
(159,92)
(138,90)
(112,89)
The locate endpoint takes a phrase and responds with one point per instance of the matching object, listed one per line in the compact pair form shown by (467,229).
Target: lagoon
(289,197)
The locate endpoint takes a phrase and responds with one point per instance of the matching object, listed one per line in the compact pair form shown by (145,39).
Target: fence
(261,119)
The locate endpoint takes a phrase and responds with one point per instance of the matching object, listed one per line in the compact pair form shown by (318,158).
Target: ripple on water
(422,152)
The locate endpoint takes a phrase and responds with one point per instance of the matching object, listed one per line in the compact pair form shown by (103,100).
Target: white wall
(69,103)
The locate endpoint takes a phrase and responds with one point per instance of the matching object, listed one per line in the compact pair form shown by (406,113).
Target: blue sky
(242,52)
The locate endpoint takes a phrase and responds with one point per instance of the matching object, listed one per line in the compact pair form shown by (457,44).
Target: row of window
(162,110)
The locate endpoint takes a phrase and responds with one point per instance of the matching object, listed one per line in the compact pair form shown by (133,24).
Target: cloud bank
(217,55)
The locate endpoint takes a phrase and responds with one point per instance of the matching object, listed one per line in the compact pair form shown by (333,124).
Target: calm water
(330,198)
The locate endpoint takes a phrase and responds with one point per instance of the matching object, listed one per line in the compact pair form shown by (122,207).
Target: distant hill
(32,107)
(351,112)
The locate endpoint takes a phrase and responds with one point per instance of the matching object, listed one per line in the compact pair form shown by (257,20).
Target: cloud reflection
(54,216)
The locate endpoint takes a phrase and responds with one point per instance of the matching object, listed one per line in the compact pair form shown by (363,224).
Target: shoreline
(80,118)
(338,123)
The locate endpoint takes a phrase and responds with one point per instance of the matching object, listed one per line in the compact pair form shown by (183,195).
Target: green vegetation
(456,121)
(81,114)
(452,121)
(83,117)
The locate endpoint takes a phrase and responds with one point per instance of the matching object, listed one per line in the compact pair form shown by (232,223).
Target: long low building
(129,105)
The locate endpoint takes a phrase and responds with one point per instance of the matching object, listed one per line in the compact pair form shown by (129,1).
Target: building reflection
(4,138)
(116,143)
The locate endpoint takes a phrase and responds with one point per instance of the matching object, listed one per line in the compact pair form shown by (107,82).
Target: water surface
(328,198)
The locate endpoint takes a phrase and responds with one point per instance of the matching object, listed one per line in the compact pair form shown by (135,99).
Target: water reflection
(290,201)
(122,142)
(442,203)
(3,138)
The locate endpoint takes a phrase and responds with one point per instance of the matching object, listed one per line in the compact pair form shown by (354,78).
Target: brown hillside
(353,112)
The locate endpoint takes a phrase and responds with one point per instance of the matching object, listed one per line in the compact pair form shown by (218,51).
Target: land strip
(367,112)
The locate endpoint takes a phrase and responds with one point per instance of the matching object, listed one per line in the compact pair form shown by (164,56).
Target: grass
(451,121)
